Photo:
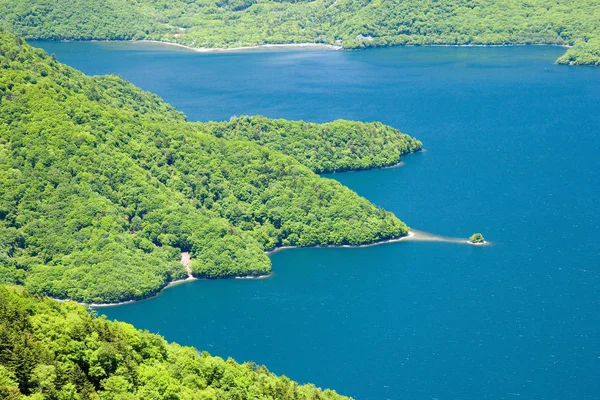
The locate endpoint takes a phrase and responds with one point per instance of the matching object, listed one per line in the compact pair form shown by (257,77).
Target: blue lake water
(512,144)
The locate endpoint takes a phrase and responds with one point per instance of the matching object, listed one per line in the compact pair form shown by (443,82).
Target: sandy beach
(286,46)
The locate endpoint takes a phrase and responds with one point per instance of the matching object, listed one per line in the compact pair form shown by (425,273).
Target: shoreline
(306,45)
(411,236)
(270,274)
(478,244)
(396,165)
(249,277)
(480,45)
(283,46)
(122,303)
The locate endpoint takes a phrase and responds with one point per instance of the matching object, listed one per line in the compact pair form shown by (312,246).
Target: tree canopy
(104,185)
(62,351)
(477,238)
(349,23)
(331,147)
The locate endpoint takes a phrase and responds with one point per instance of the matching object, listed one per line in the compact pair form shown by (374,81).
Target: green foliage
(351,23)
(583,53)
(61,351)
(82,20)
(477,238)
(335,146)
(104,185)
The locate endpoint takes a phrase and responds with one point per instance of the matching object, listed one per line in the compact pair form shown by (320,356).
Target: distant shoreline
(317,46)
(307,45)
(481,45)
(283,46)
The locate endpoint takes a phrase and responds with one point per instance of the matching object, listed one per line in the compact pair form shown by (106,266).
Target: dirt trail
(186,261)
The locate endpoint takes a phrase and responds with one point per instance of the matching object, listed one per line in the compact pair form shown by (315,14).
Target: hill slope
(60,351)
(351,23)
(331,147)
(103,185)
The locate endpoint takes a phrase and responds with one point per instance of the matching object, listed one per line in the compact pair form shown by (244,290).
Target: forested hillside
(104,185)
(335,146)
(60,351)
(349,23)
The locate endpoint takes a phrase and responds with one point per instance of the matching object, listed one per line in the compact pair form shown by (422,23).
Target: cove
(511,151)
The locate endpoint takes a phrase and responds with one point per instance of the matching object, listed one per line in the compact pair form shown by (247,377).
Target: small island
(477,238)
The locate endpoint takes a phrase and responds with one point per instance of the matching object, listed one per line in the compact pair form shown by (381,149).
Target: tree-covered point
(60,351)
(583,53)
(477,238)
(350,23)
(103,185)
(335,146)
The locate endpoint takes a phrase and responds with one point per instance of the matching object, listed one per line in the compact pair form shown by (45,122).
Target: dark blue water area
(512,145)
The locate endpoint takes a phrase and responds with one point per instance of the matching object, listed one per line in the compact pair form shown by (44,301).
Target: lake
(512,145)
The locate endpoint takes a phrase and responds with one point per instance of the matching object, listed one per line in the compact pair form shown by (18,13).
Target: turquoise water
(512,145)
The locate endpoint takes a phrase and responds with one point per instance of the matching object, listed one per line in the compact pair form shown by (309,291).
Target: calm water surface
(512,151)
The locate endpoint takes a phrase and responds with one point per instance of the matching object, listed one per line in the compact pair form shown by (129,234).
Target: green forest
(63,352)
(347,23)
(104,185)
(331,147)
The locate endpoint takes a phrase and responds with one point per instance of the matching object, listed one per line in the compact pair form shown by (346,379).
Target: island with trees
(350,24)
(477,238)
(105,185)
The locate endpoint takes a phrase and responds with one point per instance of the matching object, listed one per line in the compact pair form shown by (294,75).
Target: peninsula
(104,186)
